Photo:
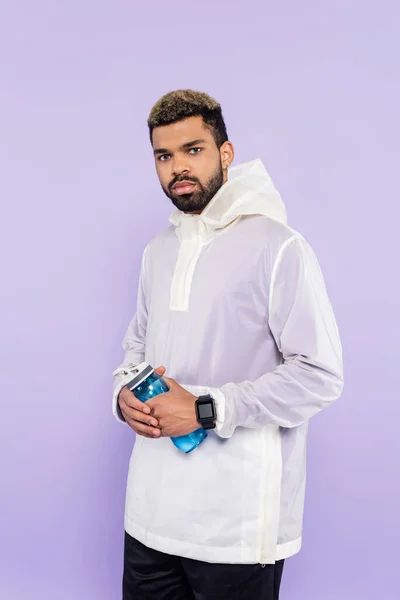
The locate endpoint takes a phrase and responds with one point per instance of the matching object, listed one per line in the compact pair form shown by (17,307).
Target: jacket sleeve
(133,345)
(310,375)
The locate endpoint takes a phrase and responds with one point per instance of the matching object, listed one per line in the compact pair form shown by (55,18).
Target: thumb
(172,384)
(160,371)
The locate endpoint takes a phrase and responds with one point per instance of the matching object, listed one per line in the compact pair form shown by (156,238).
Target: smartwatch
(205,411)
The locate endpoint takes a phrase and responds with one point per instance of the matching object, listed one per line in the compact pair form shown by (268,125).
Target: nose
(179,166)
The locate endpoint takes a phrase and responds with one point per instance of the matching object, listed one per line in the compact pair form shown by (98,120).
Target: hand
(174,411)
(137,413)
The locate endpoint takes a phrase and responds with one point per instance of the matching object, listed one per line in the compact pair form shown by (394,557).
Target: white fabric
(233,303)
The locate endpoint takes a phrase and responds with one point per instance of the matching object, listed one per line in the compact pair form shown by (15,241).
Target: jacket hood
(248,191)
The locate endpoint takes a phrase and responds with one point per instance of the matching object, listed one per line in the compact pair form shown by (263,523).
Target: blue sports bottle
(146,384)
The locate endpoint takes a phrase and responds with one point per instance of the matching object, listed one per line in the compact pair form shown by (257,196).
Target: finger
(130,400)
(136,415)
(142,429)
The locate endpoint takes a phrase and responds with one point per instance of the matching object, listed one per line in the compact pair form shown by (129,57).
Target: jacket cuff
(220,403)
(122,376)
(115,406)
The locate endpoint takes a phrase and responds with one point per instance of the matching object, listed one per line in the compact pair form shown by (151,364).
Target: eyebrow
(183,147)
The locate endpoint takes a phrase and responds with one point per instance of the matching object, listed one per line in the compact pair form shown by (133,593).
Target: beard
(197,200)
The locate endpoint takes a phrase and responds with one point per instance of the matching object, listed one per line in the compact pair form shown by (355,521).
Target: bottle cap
(140,373)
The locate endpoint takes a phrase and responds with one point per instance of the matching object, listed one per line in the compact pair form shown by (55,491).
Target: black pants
(152,575)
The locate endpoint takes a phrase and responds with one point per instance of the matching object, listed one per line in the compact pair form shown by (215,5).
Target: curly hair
(181,104)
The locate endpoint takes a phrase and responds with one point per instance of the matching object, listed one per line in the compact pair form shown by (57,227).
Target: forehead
(175,135)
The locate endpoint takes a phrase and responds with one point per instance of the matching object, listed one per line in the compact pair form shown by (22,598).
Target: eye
(196,150)
(163,157)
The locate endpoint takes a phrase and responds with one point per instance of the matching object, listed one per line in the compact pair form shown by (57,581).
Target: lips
(183,187)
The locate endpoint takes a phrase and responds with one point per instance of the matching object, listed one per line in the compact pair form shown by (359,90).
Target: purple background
(310,87)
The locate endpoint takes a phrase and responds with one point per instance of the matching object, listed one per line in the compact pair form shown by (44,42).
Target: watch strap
(209,424)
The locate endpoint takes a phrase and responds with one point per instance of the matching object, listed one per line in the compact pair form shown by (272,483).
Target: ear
(227,153)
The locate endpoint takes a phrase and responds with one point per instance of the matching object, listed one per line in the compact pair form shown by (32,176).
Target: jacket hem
(233,555)
(289,549)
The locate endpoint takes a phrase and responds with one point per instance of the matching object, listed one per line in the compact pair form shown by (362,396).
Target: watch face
(205,410)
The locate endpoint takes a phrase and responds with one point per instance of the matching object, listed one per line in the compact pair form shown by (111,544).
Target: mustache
(182,178)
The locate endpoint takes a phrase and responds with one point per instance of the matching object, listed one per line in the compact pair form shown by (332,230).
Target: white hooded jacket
(233,303)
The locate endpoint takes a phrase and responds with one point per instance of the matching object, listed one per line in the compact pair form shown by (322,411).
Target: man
(233,305)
